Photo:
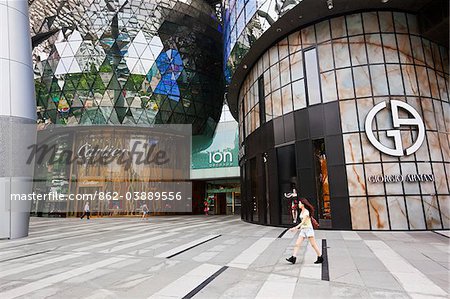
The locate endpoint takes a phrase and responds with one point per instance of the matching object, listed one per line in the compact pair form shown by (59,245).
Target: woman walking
(306,231)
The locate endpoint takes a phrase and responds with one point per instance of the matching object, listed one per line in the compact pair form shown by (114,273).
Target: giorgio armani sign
(397,122)
(398,178)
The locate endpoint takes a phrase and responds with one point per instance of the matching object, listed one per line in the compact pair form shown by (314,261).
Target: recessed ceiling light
(330,4)
(245,66)
(300,17)
(384,1)
(278,29)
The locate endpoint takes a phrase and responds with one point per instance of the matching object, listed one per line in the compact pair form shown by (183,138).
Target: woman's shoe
(292,259)
(319,260)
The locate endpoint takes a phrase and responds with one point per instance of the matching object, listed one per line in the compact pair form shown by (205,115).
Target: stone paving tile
(354,270)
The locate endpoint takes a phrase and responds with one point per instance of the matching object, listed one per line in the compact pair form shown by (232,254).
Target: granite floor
(216,257)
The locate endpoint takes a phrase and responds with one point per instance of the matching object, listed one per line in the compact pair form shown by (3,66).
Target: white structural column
(17,116)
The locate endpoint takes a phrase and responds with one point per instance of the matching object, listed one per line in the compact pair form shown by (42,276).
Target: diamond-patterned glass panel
(127,62)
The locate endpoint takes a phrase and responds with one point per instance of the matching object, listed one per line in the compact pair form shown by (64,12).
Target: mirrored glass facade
(127,62)
(244,23)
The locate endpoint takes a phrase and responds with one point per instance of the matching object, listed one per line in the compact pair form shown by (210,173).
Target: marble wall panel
(323,31)
(443,140)
(404,48)
(374,188)
(266,61)
(287,99)
(285,76)
(370,153)
(416,44)
(364,106)
(428,114)
(374,48)
(299,97)
(352,148)
(444,203)
(400,23)
(439,115)
(422,78)
(341,53)
(259,67)
(444,59)
(435,146)
(427,52)
(434,88)
(276,103)
(362,81)
(328,82)
(390,48)
(432,217)
(325,57)
(275,76)
(268,108)
(395,79)
(440,178)
(296,60)
(308,37)
(442,87)
(413,26)
(386,21)
(379,82)
(378,213)
(273,55)
(283,48)
(437,57)
(359,213)
(397,213)
(354,24)
(295,42)
(349,119)
(409,79)
(370,22)
(338,28)
(357,50)
(267,89)
(356,180)
(392,188)
(410,187)
(415,212)
(426,187)
(345,83)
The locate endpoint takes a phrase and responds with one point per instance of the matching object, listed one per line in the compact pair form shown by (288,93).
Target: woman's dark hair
(308,206)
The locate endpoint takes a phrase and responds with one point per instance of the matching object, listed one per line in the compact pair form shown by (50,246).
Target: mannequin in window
(294,202)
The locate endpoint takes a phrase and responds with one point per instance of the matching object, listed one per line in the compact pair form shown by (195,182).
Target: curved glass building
(127,62)
(348,103)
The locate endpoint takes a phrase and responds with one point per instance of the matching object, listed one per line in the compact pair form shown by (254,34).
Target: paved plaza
(216,257)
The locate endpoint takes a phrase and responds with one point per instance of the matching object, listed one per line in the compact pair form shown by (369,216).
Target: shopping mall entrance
(218,197)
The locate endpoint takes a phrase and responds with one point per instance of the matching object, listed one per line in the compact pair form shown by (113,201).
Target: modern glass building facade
(352,107)
(127,62)
(134,63)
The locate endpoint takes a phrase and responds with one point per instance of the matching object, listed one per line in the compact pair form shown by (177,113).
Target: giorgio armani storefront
(354,110)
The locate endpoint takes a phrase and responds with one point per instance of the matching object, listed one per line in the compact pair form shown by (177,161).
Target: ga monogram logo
(397,122)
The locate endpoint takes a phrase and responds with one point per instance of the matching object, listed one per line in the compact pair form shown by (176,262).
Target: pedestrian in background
(86,211)
(144,210)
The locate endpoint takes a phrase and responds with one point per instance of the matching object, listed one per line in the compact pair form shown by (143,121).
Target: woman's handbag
(314,222)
